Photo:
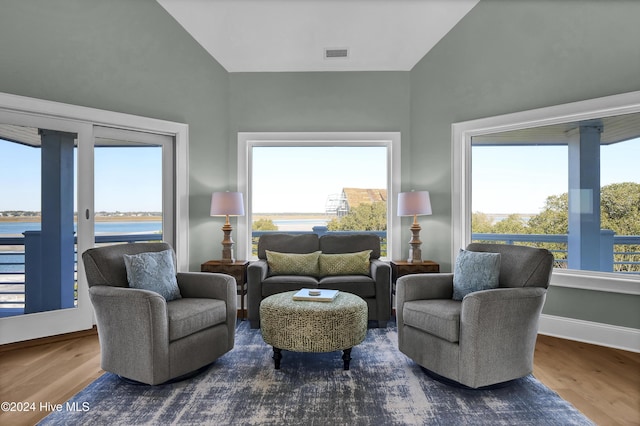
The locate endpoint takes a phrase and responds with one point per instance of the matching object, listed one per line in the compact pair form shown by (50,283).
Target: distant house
(341,204)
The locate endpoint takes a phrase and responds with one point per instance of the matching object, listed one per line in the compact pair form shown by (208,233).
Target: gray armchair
(489,336)
(147,339)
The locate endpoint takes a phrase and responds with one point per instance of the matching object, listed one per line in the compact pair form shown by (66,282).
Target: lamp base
(415,252)
(227,245)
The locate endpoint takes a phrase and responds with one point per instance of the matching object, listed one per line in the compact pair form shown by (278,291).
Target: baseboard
(612,336)
(48,339)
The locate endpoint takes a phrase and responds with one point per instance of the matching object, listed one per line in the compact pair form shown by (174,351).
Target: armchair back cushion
(520,266)
(106,266)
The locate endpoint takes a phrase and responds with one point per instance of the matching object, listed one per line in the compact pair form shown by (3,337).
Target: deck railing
(624,252)
(12,267)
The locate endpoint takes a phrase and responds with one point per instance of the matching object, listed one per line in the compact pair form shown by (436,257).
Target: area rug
(382,387)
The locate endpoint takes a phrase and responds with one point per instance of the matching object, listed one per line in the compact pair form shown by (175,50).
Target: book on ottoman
(315,295)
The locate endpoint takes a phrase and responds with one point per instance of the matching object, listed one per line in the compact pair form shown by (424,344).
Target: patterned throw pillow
(153,271)
(475,271)
(293,263)
(345,263)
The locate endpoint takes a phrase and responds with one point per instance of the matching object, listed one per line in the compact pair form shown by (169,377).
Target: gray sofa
(489,336)
(374,288)
(144,337)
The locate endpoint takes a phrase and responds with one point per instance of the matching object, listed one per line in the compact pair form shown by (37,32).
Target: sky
(519,179)
(115,171)
(319,171)
(505,179)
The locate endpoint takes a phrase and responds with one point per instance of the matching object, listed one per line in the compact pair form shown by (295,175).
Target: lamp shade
(414,203)
(227,203)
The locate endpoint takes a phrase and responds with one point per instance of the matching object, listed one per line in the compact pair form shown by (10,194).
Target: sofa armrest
(133,330)
(256,273)
(381,273)
(500,325)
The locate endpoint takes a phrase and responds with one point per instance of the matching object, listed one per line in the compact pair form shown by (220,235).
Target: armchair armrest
(133,330)
(504,319)
(424,286)
(420,287)
(211,286)
(207,285)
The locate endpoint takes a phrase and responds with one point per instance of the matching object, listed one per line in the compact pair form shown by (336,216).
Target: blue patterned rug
(383,387)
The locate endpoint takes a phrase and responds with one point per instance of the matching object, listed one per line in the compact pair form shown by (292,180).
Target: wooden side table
(402,267)
(237,270)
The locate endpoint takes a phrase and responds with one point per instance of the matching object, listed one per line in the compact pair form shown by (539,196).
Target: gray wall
(320,102)
(508,56)
(130,57)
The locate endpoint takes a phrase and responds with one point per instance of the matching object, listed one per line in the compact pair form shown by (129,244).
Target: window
(309,182)
(533,194)
(574,153)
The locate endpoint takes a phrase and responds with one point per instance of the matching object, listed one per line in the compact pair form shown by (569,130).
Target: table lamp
(227,204)
(414,203)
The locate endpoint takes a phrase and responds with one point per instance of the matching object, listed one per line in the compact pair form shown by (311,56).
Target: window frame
(461,136)
(248,140)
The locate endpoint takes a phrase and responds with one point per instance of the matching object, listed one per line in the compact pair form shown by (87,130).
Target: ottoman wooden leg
(277,356)
(346,357)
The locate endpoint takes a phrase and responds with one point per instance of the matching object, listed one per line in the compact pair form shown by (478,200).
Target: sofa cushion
(190,315)
(344,263)
(281,283)
(475,271)
(350,243)
(287,243)
(440,317)
(360,285)
(293,263)
(153,271)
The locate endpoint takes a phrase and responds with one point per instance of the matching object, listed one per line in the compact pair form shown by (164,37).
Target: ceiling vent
(336,53)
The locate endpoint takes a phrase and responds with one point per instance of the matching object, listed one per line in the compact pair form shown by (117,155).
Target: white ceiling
(291,35)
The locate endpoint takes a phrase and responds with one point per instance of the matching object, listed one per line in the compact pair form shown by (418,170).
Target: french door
(82,156)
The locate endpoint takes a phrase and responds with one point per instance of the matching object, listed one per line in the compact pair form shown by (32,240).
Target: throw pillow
(153,271)
(345,263)
(293,263)
(475,271)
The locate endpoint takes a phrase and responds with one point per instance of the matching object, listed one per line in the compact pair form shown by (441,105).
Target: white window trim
(248,140)
(461,183)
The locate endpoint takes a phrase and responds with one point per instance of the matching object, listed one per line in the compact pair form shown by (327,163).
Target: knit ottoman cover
(307,326)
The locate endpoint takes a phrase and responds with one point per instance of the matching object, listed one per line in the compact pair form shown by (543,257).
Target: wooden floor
(602,383)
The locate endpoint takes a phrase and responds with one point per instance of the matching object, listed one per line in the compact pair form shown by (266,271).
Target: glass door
(39,239)
(133,187)
(47,183)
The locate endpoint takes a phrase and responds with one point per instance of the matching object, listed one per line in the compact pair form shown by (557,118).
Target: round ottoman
(308,326)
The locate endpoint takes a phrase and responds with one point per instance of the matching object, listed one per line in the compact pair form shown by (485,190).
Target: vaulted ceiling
(292,35)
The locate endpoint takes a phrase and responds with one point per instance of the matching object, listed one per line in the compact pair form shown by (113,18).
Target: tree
(554,218)
(480,223)
(365,217)
(513,224)
(620,208)
(264,225)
